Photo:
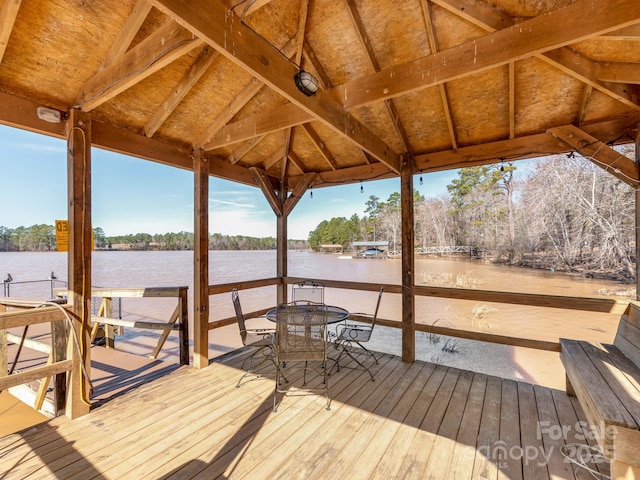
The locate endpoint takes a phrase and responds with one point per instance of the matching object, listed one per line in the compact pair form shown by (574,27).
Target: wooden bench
(606,380)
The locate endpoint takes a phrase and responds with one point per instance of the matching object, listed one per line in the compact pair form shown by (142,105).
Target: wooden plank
(21,318)
(127,33)
(579,21)
(625,391)
(439,464)
(567,60)
(224,31)
(397,404)
(415,402)
(184,86)
(533,467)
(486,461)
(598,400)
(35,373)
(628,340)
(383,430)
(120,322)
(153,53)
(573,431)
(465,448)
(614,162)
(414,463)
(511,463)
(280,118)
(278,432)
(29,343)
(8,14)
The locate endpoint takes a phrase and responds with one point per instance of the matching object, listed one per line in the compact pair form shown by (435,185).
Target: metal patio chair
(261,338)
(350,334)
(307,291)
(301,338)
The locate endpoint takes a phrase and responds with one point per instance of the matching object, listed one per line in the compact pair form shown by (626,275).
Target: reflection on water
(147,269)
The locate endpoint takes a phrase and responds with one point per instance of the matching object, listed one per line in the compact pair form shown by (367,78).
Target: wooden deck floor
(417,420)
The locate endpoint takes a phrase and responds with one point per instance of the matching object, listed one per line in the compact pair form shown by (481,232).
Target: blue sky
(130,195)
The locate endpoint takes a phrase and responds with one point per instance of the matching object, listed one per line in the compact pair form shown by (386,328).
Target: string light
(311,191)
(361,187)
(421,182)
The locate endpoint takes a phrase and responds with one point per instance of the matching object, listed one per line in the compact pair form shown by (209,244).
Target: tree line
(42,238)
(567,214)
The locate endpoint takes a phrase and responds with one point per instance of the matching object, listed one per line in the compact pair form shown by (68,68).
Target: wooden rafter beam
(579,21)
(243,149)
(127,33)
(295,160)
(268,189)
(296,194)
(246,7)
(618,72)
(279,118)
(361,32)
(625,34)
(158,50)
(570,62)
(184,86)
(300,34)
(320,145)
(220,28)
(433,43)
(599,153)
(530,146)
(246,94)
(8,14)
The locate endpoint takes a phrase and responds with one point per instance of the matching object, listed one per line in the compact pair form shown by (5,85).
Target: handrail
(589,304)
(24,314)
(179,319)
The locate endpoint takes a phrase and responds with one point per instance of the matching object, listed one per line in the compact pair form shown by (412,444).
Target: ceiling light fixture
(50,115)
(306,83)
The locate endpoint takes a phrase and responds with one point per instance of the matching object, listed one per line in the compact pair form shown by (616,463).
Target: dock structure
(374,249)
(331,248)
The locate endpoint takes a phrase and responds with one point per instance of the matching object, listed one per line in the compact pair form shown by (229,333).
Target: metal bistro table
(334,314)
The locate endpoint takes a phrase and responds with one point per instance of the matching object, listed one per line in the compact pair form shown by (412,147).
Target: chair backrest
(301,332)
(375,313)
(235,298)
(307,291)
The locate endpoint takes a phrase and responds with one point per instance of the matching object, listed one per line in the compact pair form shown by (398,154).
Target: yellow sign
(62,236)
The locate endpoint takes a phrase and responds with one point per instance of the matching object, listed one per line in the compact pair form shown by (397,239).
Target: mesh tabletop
(334,314)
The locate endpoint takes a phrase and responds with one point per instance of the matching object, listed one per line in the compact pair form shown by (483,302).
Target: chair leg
(345,349)
(368,351)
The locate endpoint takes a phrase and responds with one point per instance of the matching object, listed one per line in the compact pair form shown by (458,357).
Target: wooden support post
(183,335)
(637,191)
(59,342)
(79,257)
(281,256)
(4,363)
(201,261)
(408,261)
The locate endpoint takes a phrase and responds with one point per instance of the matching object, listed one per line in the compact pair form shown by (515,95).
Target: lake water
(152,269)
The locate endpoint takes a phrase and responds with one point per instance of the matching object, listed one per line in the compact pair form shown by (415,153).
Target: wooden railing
(588,304)
(179,319)
(25,314)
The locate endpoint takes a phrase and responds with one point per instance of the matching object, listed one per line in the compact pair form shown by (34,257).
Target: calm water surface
(151,269)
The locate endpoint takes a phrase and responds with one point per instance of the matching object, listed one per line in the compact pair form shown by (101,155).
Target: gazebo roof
(435,84)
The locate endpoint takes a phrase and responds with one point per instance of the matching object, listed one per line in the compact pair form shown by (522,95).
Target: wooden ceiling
(437,84)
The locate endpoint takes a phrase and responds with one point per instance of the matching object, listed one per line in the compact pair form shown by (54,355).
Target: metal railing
(44,290)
